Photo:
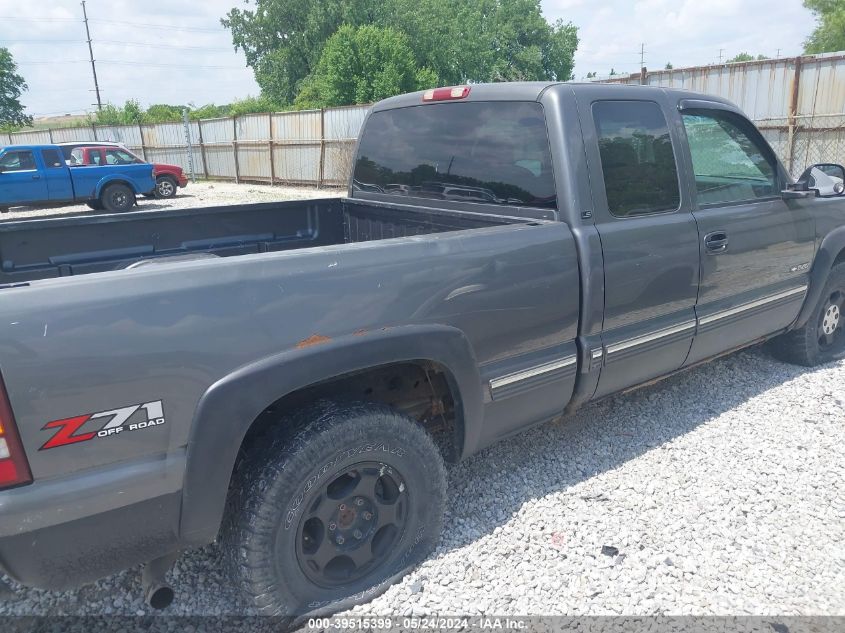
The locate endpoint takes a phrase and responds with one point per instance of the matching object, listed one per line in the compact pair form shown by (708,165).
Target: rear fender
(107,180)
(230,406)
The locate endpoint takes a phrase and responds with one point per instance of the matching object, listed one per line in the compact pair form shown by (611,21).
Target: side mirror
(826,179)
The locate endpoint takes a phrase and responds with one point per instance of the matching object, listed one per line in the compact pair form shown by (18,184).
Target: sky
(176,51)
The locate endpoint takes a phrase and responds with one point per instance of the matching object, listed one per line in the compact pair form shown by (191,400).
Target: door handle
(716,242)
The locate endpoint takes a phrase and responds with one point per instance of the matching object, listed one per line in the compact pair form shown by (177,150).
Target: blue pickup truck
(38,174)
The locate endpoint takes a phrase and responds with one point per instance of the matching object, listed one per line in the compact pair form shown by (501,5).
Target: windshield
(482,152)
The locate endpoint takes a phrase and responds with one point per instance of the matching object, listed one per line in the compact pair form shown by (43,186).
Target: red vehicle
(168,177)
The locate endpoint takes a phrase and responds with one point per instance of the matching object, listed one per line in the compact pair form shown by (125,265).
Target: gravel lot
(719,491)
(198,194)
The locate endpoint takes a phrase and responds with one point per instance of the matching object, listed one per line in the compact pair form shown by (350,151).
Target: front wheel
(117,198)
(822,338)
(166,187)
(333,515)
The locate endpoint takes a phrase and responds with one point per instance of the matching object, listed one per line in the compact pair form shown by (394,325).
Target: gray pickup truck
(291,377)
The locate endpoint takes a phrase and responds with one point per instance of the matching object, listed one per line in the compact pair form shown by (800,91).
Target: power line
(165,27)
(121,42)
(18,19)
(154,65)
(122,62)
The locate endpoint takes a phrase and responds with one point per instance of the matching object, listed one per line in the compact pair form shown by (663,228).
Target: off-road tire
(291,474)
(117,198)
(166,187)
(804,345)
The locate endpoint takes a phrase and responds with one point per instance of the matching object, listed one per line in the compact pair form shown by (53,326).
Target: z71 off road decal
(104,423)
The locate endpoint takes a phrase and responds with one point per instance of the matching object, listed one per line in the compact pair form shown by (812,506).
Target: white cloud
(684,32)
(134,61)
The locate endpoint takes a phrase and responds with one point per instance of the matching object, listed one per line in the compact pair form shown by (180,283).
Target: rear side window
(19,160)
(640,175)
(52,158)
(119,157)
(483,152)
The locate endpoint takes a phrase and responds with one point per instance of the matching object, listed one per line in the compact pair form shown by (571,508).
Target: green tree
(283,39)
(12,86)
(668,66)
(829,34)
(457,40)
(363,64)
(745,57)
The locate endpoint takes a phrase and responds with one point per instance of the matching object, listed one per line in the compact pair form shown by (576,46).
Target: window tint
(729,165)
(640,175)
(52,158)
(18,161)
(491,153)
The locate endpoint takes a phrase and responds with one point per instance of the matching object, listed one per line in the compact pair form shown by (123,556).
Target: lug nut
(340,540)
(357,534)
(359,501)
(368,516)
(332,527)
(342,507)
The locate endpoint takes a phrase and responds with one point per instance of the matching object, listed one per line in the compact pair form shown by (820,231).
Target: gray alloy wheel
(165,187)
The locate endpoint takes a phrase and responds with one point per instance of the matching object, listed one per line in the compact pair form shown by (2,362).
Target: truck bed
(82,244)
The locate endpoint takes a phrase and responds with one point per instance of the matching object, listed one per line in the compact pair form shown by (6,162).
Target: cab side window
(640,175)
(20,160)
(730,165)
(52,158)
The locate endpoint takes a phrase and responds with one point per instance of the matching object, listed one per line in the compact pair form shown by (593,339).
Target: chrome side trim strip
(751,305)
(525,374)
(647,338)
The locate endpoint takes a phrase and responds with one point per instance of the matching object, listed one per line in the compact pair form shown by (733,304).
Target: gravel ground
(717,492)
(198,194)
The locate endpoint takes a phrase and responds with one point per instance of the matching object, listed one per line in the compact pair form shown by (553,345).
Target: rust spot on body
(314,339)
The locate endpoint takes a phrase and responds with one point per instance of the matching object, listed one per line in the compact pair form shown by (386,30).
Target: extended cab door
(56,175)
(648,236)
(755,249)
(20,180)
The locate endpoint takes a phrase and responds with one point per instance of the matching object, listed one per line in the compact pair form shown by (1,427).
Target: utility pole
(721,52)
(91,55)
(642,55)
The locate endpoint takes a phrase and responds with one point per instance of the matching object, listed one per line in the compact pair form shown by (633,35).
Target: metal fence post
(321,176)
(143,145)
(792,116)
(235,148)
(202,150)
(270,147)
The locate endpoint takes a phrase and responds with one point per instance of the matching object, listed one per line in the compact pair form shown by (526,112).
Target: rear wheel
(166,187)
(4,209)
(822,338)
(117,198)
(333,515)
(95,204)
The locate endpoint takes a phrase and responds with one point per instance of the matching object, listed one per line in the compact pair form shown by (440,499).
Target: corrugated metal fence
(797,102)
(311,147)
